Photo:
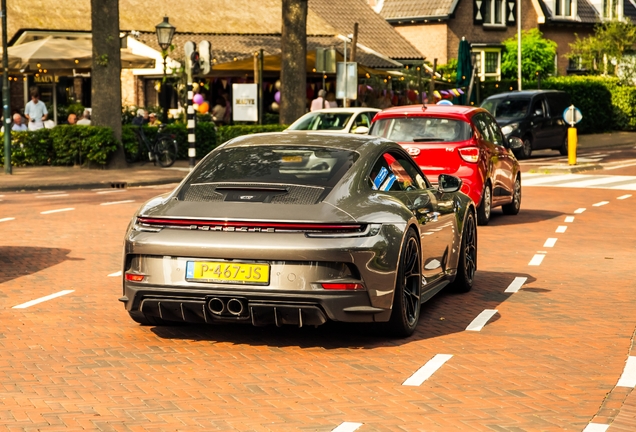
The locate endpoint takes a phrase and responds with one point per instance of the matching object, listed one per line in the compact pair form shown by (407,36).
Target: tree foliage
(537,55)
(606,48)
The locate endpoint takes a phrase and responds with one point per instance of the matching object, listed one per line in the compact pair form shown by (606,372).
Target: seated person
(18,124)
(86,119)
(72,119)
(153,120)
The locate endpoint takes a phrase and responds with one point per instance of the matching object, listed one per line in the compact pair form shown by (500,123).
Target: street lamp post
(165,32)
(5,92)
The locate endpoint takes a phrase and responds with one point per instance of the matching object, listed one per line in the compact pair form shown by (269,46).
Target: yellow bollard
(572,146)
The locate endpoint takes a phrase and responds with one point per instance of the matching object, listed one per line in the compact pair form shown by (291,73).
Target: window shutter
(511,11)
(478,16)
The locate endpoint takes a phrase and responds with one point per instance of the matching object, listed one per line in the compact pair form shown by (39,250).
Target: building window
(494,12)
(612,9)
(488,62)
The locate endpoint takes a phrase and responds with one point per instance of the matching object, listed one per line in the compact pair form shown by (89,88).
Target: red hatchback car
(462,141)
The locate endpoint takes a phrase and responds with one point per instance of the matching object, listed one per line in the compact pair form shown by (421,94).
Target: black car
(535,116)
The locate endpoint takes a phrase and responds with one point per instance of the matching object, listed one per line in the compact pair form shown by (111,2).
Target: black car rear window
(421,129)
(507,108)
(311,166)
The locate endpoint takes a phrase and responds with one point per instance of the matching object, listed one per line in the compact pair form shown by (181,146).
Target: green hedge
(92,145)
(62,145)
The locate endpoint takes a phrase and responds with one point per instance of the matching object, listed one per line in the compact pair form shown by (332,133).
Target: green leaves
(537,56)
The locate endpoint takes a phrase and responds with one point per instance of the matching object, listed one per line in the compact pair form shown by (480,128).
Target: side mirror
(538,113)
(448,183)
(515,143)
(361,130)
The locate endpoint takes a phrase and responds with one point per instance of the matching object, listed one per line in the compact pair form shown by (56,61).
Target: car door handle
(431,216)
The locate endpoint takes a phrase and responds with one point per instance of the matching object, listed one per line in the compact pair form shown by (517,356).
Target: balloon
(198,99)
(412,96)
(204,107)
(195,106)
(277,85)
(275,107)
(277,97)
(195,87)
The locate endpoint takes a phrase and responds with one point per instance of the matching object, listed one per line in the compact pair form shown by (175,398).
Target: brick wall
(426,38)
(564,35)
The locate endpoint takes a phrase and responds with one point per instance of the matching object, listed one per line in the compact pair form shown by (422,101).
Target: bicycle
(163,149)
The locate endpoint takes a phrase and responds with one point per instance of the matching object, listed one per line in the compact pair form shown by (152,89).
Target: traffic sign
(572,115)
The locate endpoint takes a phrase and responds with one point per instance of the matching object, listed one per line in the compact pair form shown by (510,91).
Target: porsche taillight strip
(249,226)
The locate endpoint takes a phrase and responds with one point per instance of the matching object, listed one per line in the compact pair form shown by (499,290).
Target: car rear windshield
(311,166)
(421,129)
(507,109)
(322,121)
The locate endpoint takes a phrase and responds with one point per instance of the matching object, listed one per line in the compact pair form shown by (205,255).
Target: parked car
(347,120)
(535,116)
(296,228)
(461,141)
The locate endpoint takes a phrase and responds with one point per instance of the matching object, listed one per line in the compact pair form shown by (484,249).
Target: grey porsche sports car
(296,228)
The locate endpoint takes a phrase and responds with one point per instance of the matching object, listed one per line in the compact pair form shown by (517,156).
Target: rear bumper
(217,305)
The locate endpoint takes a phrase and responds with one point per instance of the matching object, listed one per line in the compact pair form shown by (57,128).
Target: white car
(347,120)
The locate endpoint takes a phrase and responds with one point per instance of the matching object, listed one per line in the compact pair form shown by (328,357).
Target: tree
(293,70)
(537,55)
(609,44)
(106,72)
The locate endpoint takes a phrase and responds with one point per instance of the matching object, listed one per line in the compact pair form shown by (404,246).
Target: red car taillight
(469,154)
(135,277)
(342,286)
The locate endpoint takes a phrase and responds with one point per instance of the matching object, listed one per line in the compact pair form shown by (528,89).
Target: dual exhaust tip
(219,306)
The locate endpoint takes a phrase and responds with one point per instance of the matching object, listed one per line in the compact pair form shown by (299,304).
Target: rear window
(322,121)
(507,109)
(422,129)
(311,166)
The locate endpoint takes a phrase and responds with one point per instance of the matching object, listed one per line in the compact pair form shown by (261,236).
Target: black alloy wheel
(406,298)
(526,151)
(514,207)
(485,208)
(166,152)
(467,265)
(563,150)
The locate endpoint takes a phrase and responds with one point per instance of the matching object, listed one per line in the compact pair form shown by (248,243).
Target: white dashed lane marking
(622,197)
(550,242)
(42,299)
(579,211)
(536,260)
(52,196)
(516,284)
(596,427)
(115,274)
(602,203)
(57,210)
(6,219)
(427,370)
(628,379)
(481,320)
(561,228)
(347,427)
(117,202)
(569,219)
(111,191)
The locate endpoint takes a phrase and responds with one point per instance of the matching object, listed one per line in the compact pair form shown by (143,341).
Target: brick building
(435,27)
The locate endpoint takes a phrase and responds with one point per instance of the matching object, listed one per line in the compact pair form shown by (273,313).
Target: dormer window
(563,8)
(494,12)
(612,9)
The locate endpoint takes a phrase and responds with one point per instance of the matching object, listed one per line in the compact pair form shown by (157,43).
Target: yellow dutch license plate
(228,272)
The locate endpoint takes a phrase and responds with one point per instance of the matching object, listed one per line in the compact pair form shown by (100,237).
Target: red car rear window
(422,129)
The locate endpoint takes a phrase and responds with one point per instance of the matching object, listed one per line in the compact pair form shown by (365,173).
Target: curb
(105,184)
(568,169)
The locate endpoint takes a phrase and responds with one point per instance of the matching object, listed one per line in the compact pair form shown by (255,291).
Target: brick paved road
(545,361)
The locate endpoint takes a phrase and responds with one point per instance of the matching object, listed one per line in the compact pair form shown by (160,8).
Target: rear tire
(166,152)
(467,265)
(485,207)
(514,207)
(563,150)
(406,297)
(526,151)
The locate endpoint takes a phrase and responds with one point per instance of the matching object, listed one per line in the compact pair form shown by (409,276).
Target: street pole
(519,45)
(5,91)
(164,108)
(260,86)
(344,101)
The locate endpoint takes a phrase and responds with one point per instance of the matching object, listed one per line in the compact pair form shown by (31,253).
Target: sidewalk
(52,178)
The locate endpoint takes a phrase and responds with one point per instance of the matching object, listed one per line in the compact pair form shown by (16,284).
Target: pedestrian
(320,102)
(35,110)
(71,119)
(331,98)
(141,118)
(18,126)
(153,120)
(219,110)
(86,119)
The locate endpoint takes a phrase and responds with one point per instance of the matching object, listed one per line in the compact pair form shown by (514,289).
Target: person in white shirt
(18,126)
(35,110)
(86,119)
(320,102)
